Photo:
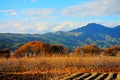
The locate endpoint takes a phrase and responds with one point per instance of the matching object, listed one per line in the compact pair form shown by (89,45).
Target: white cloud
(9,12)
(25,27)
(111,24)
(32,13)
(94,8)
(58,27)
(68,25)
(44,27)
(40,14)
(37,11)
(14,13)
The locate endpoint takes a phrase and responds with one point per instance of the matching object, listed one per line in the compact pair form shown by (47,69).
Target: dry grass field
(49,68)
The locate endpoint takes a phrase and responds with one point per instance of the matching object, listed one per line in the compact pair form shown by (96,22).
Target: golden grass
(59,65)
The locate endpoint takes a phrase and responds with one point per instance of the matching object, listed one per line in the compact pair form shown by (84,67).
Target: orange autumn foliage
(38,48)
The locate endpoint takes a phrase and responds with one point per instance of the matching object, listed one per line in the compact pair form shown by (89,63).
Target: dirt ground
(37,76)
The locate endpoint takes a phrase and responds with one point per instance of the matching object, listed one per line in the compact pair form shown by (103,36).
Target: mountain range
(92,33)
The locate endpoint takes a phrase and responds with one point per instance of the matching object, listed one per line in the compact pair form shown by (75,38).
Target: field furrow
(85,75)
(73,76)
(93,76)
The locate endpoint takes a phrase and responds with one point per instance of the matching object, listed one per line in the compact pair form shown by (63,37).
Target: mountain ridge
(92,33)
(93,28)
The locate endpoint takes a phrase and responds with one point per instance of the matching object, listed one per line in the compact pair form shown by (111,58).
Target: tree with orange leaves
(112,51)
(91,49)
(30,49)
(38,48)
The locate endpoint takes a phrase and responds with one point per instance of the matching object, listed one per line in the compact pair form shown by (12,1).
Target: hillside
(92,33)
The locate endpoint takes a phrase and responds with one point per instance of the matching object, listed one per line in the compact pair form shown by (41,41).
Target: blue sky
(42,16)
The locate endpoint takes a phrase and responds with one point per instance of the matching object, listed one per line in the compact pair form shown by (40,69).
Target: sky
(42,16)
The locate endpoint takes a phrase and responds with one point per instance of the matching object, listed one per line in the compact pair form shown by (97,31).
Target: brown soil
(37,76)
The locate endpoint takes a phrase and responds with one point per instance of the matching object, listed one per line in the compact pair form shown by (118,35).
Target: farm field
(64,68)
(92,76)
(75,76)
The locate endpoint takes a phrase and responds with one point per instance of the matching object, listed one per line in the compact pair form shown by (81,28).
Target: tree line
(92,49)
(38,48)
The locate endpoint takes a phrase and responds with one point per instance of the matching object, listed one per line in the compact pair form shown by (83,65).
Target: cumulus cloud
(32,13)
(67,25)
(43,14)
(9,12)
(25,27)
(36,11)
(94,8)
(44,27)
(14,13)
(111,24)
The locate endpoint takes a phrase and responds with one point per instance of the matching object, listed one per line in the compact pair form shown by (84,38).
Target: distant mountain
(93,28)
(90,34)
